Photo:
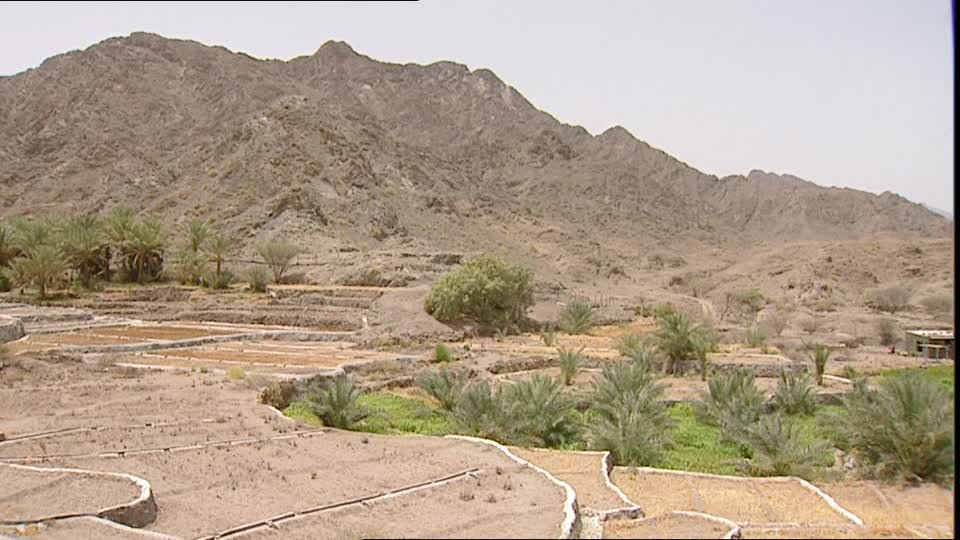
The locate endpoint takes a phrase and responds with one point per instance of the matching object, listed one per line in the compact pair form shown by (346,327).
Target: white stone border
(570,511)
(803,483)
(138,513)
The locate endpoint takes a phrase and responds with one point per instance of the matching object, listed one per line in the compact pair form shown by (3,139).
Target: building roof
(935,334)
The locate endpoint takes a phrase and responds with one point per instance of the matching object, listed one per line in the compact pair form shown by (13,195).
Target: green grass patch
(697,446)
(393,414)
(299,410)
(942,374)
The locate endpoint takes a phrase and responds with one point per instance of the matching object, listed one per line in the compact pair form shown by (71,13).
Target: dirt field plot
(582,470)
(271,467)
(743,501)
(672,525)
(159,332)
(323,355)
(30,494)
(925,510)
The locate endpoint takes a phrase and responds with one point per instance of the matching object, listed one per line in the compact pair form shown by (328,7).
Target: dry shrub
(887,330)
(891,299)
(278,395)
(937,303)
(810,324)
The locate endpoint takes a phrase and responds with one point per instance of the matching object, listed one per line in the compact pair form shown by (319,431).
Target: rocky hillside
(342,150)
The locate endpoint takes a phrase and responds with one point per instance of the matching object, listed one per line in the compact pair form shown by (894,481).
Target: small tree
(570,361)
(676,337)
(887,330)
(41,267)
(196,232)
(891,299)
(820,354)
(278,256)
(336,404)
(257,279)
(577,317)
(795,394)
(217,248)
(703,343)
(486,289)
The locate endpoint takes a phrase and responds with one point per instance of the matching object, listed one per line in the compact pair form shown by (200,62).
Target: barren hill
(340,149)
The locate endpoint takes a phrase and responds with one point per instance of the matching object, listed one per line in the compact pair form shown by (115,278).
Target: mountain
(336,149)
(944,213)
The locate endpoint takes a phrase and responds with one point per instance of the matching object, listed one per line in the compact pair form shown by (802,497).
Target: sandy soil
(927,509)
(82,527)
(582,470)
(29,495)
(741,501)
(664,526)
(205,490)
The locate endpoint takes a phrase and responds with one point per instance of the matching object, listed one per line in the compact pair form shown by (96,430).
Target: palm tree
(538,413)
(8,249)
(197,232)
(84,248)
(218,247)
(336,404)
(145,248)
(703,343)
(41,267)
(118,226)
(676,338)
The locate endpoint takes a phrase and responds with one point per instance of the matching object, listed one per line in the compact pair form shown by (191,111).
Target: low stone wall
(11,329)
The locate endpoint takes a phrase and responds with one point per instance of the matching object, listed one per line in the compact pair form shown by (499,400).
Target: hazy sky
(839,92)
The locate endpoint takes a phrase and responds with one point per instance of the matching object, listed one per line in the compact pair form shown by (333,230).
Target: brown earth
(670,525)
(203,484)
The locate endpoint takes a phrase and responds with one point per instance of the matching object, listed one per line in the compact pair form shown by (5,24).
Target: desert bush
(937,303)
(4,280)
(748,302)
(661,311)
(278,394)
(795,394)
(577,317)
(820,354)
(777,447)
(903,430)
(221,280)
(442,354)
(776,322)
(891,299)
(236,373)
(629,345)
(336,403)
(631,421)
(810,324)
(549,337)
(570,361)
(755,337)
(732,403)
(445,385)
(85,248)
(278,256)
(887,330)
(189,268)
(538,414)
(257,279)
(486,289)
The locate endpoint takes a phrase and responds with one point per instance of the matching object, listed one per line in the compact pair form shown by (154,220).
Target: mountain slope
(337,148)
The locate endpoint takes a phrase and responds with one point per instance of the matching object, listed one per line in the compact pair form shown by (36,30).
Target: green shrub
(445,385)
(189,267)
(486,289)
(257,279)
(442,354)
(661,311)
(480,412)
(887,330)
(676,337)
(630,421)
(756,337)
(795,394)
(778,448)
(220,281)
(236,373)
(732,403)
(278,256)
(630,345)
(538,414)
(570,361)
(549,337)
(4,280)
(393,414)
(903,430)
(336,403)
(820,355)
(577,317)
